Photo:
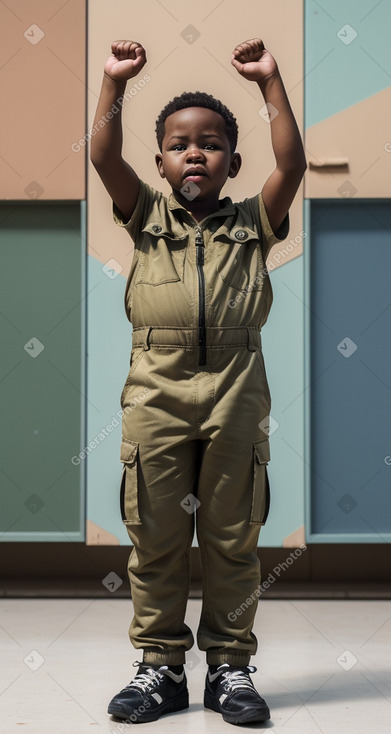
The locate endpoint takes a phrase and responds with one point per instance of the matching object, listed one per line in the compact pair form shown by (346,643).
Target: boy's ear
(159,163)
(234,168)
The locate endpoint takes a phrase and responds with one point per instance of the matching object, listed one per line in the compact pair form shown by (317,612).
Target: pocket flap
(129,451)
(262,451)
(158,230)
(240,234)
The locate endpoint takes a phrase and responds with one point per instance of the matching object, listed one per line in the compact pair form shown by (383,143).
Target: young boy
(196,438)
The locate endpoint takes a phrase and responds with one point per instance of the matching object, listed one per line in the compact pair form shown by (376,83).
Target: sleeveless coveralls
(193,451)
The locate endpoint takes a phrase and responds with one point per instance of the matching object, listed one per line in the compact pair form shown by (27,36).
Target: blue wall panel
(350,434)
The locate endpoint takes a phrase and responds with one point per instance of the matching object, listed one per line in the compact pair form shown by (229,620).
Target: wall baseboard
(55,570)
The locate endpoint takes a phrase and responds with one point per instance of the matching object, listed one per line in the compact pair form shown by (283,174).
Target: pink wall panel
(43,89)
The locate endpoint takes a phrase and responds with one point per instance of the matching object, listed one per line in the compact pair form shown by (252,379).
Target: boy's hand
(126,60)
(253,61)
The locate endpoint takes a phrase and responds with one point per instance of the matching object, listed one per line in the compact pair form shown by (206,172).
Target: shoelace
(236,679)
(143,681)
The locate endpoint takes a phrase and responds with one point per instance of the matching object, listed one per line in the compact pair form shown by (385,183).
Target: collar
(227,207)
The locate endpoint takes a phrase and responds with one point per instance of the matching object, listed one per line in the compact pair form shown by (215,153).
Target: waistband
(217,337)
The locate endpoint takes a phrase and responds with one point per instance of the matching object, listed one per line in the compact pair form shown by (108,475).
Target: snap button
(156,228)
(241,234)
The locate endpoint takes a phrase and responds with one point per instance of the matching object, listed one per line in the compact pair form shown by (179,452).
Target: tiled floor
(323,666)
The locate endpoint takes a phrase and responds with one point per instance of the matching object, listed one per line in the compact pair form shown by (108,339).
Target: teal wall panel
(347,54)
(41,383)
(282,344)
(109,347)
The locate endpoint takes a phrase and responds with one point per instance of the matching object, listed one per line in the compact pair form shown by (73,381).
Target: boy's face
(196,149)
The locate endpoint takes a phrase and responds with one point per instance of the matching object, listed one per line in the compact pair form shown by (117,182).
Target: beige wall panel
(295,539)
(42,79)
(189,48)
(96,535)
(357,136)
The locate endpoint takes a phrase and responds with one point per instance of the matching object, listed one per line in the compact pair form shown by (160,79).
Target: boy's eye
(207,146)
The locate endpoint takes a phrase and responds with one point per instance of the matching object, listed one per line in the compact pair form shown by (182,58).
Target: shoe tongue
(145,667)
(235,668)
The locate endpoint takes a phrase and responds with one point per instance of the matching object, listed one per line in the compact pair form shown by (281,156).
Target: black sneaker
(151,693)
(230,691)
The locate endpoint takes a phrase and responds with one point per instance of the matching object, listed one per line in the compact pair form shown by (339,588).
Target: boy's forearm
(106,144)
(286,140)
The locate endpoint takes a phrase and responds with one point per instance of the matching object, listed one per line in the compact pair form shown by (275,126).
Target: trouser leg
(233,490)
(231,568)
(159,563)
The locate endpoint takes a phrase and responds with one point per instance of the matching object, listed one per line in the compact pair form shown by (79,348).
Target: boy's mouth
(194,174)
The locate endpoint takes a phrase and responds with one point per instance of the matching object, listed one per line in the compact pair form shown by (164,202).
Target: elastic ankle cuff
(173,657)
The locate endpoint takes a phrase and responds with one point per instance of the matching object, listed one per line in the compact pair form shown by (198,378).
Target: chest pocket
(162,256)
(239,259)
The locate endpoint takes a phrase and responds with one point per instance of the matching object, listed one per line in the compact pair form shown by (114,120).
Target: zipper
(199,241)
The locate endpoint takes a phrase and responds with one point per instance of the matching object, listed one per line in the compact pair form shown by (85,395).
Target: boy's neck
(198,209)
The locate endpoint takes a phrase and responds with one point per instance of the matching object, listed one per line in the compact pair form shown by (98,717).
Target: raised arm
(119,178)
(255,63)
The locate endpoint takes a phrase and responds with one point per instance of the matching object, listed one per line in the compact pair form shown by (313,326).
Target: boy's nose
(195,154)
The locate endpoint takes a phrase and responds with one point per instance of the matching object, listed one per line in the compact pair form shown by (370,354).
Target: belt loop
(250,343)
(146,344)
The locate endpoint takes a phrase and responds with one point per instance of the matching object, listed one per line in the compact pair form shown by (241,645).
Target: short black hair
(198,99)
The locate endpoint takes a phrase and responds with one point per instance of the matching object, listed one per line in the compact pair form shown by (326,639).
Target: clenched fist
(126,60)
(253,61)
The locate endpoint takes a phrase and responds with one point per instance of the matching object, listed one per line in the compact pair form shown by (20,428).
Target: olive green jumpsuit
(195,407)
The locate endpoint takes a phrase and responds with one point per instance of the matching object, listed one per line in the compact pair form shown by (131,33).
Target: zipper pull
(199,240)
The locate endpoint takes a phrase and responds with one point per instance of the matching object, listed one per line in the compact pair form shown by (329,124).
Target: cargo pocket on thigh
(129,483)
(261,489)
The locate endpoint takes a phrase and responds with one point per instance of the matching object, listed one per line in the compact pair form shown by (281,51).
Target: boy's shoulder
(151,213)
